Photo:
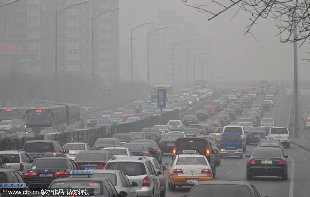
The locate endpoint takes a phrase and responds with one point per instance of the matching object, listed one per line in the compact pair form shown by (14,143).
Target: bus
(57,116)
(153,93)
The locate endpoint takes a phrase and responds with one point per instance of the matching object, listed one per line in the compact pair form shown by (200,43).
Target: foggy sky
(234,55)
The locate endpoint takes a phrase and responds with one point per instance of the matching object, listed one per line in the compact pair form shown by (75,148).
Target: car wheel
(172,187)
(249,176)
(284,176)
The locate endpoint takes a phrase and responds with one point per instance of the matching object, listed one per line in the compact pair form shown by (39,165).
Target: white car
(189,169)
(118,151)
(282,134)
(175,125)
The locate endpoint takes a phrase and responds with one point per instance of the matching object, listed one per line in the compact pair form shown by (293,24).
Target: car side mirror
(134,184)
(122,194)
(247,155)
(285,156)
(159,172)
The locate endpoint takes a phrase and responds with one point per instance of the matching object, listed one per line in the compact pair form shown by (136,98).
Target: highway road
(298,162)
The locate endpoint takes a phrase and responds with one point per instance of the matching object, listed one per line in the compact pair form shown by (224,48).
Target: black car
(154,150)
(223,188)
(44,170)
(43,148)
(167,142)
(255,134)
(266,162)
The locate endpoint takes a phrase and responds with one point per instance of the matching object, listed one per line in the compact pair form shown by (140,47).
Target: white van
(282,134)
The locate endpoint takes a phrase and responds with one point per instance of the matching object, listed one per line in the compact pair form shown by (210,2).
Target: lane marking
(292,178)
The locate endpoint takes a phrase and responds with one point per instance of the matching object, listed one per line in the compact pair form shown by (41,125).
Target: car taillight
(78,166)
(54,154)
(207,151)
(273,124)
(252,162)
(30,175)
(174,151)
(282,161)
(158,150)
(261,124)
(21,167)
(61,174)
(177,171)
(145,154)
(93,148)
(206,172)
(101,165)
(146,182)
(162,144)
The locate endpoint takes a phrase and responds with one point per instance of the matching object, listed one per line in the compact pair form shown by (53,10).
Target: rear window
(49,164)
(3,178)
(74,146)
(117,151)
(128,168)
(96,185)
(266,153)
(191,161)
(278,131)
(135,147)
(221,190)
(88,156)
(105,141)
(233,130)
(39,147)
(137,135)
(122,136)
(192,144)
(10,158)
(231,138)
(110,176)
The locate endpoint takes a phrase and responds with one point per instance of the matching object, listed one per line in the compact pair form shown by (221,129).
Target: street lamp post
(93,49)
(131,48)
(186,70)
(56,42)
(172,61)
(148,54)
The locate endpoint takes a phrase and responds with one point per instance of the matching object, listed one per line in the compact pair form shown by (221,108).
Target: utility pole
(296,103)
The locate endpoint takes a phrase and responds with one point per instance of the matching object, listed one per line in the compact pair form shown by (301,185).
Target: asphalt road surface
(298,162)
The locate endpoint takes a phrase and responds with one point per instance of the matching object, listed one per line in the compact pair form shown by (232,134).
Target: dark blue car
(231,144)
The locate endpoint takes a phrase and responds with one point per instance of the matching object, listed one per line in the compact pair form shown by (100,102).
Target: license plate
(192,181)
(89,167)
(189,151)
(266,162)
(231,152)
(45,175)
(170,144)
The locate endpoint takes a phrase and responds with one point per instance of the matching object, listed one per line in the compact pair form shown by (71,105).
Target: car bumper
(182,180)
(166,149)
(267,171)
(232,152)
(145,191)
(38,183)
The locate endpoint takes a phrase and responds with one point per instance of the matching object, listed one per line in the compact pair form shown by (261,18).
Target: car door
(111,189)
(126,186)
(161,177)
(154,177)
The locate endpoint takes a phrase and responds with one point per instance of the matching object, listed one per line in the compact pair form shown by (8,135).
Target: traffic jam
(214,125)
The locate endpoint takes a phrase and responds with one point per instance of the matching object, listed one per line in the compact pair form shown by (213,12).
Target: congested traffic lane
(234,169)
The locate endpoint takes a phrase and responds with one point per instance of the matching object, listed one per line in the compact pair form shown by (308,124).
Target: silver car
(17,160)
(161,175)
(118,179)
(140,172)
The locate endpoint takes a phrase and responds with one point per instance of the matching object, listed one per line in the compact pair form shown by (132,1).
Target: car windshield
(74,147)
(128,168)
(278,131)
(267,120)
(219,190)
(10,158)
(174,123)
(39,147)
(110,176)
(230,138)
(191,161)
(78,184)
(269,153)
(89,156)
(49,164)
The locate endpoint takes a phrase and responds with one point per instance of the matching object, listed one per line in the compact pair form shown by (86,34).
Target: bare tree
(287,14)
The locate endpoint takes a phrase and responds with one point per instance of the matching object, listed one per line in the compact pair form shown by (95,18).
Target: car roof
(54,158)
(114,147)
(128,158)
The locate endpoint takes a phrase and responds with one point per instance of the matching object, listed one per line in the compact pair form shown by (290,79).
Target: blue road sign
(161,98)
